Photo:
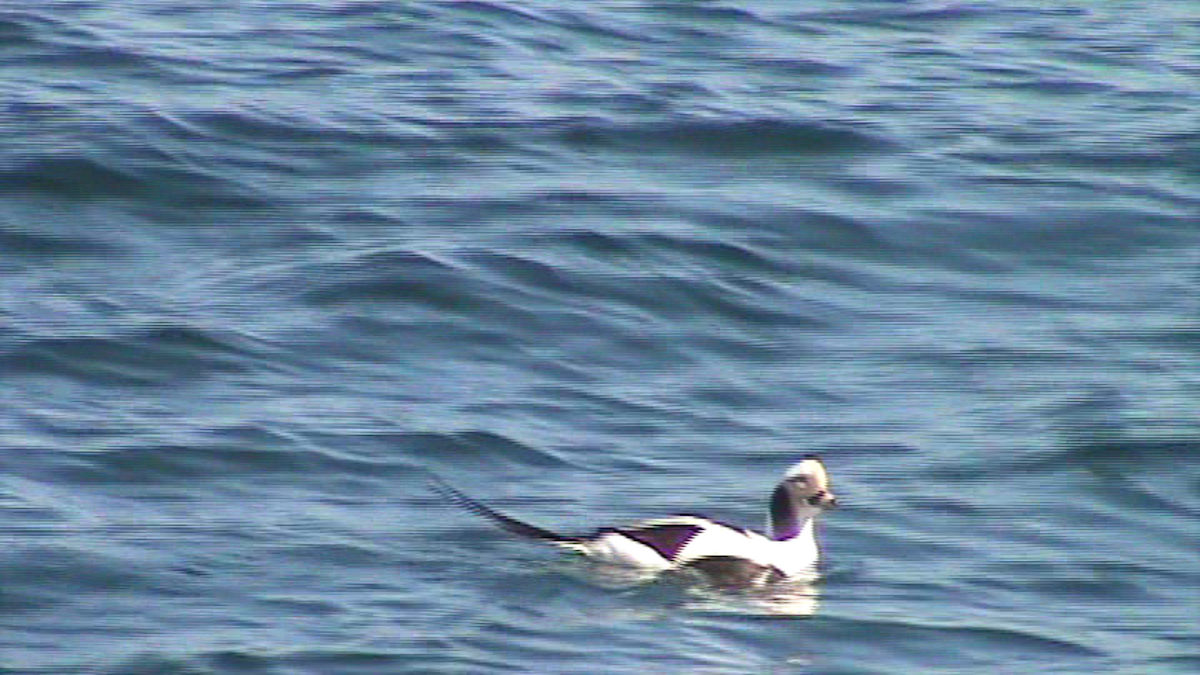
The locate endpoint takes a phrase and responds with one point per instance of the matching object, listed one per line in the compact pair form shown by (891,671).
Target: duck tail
(508,523)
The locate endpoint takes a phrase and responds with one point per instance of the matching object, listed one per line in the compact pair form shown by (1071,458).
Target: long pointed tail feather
(505,522)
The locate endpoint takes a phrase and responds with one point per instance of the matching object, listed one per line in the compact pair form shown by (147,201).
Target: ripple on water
(30,240)
(909,643)
(154,356)
(760,138)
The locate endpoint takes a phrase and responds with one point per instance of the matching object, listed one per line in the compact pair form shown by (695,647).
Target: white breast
(793,557)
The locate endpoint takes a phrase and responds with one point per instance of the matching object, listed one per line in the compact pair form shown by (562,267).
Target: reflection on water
(607,575)
(797,598)
(788,598)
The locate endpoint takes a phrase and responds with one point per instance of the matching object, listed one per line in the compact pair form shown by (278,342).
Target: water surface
(267,265)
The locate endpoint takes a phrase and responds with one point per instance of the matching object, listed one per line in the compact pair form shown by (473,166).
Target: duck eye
(816,499)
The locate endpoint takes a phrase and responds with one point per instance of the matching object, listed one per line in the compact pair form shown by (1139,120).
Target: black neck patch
(784,523)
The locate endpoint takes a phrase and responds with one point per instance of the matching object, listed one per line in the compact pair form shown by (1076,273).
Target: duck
(725,555)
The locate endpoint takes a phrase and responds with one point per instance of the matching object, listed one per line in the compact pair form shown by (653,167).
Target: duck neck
(785,522)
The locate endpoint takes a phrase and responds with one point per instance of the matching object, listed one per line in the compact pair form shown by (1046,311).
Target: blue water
(265,266)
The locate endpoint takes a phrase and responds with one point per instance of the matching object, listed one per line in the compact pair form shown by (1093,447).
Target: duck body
(707,546)
(726,555)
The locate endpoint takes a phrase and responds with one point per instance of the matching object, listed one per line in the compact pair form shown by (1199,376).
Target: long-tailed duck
(728,556)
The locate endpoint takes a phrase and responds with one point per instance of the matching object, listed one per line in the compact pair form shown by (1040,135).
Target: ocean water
(267,266)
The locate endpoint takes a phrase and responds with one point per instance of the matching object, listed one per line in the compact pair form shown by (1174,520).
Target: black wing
(668,540)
